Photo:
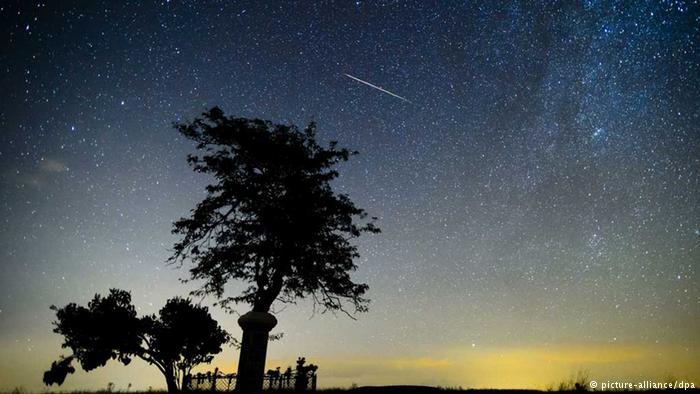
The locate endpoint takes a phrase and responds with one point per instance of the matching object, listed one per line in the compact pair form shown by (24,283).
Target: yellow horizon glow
(521,367)
(527,367)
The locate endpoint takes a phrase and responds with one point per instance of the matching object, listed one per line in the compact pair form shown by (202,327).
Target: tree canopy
(180,337)
(270,218)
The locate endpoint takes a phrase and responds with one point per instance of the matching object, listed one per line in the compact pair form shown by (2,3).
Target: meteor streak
(378,88)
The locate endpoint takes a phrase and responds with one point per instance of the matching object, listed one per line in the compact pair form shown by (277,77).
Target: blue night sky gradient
(541,188)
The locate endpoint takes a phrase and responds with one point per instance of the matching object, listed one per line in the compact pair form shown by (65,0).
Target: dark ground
(436,390)
(367,390)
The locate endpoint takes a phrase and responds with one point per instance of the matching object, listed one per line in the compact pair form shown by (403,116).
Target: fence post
(213,380)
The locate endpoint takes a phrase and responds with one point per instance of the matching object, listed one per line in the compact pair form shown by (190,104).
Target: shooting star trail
(378,88)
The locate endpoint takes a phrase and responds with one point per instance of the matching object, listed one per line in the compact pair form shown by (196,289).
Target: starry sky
(539,192)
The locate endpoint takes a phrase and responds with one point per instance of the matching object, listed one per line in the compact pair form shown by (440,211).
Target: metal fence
(218,381)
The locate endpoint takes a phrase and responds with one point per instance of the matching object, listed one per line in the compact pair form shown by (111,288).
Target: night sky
(538,189)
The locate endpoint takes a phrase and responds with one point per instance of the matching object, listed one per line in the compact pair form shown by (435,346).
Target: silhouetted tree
(271,218)
(180,337)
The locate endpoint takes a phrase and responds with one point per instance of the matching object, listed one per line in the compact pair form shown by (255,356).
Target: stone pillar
(251,364)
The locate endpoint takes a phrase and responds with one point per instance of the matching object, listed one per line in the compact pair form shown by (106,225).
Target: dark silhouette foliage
(270,218)
(58,371)
(180,337)
(303,374)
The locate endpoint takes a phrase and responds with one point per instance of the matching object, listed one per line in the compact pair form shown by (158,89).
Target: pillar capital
(257,321)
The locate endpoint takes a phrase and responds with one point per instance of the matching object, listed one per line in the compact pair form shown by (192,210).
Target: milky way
(539,197)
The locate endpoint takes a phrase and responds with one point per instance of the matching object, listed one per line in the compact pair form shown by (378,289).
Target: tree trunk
(251,365)
(185,383)
(172,384)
